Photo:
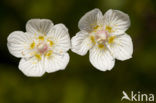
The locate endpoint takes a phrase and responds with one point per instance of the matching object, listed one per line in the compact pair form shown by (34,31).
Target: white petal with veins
(39,26)
(32,67)
(101,58)
(56,62)
(89,20)
(81,43)
(117,20)
(19,44)
(122,47)
(60,36)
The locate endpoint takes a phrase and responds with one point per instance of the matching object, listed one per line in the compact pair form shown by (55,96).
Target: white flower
(105,38)
(43,47)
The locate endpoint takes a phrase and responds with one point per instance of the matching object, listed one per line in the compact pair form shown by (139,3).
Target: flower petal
(122,47)
(60,36)
(39,26)
(19,44)
(117,20)
(56,62)
(101,58)
(81,43)
(31,67)
(89,20)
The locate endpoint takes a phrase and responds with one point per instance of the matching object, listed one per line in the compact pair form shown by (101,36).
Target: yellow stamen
(101,46)
(96,27)
(51,43)
(41,37)
(111,39)
(109,29)
(38,56)
(32,45)
(92,39)
(49,53)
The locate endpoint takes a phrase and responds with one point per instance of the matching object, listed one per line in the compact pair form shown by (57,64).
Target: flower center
(101,35)
(41,46)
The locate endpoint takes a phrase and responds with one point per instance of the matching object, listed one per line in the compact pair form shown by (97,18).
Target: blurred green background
(80,82)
